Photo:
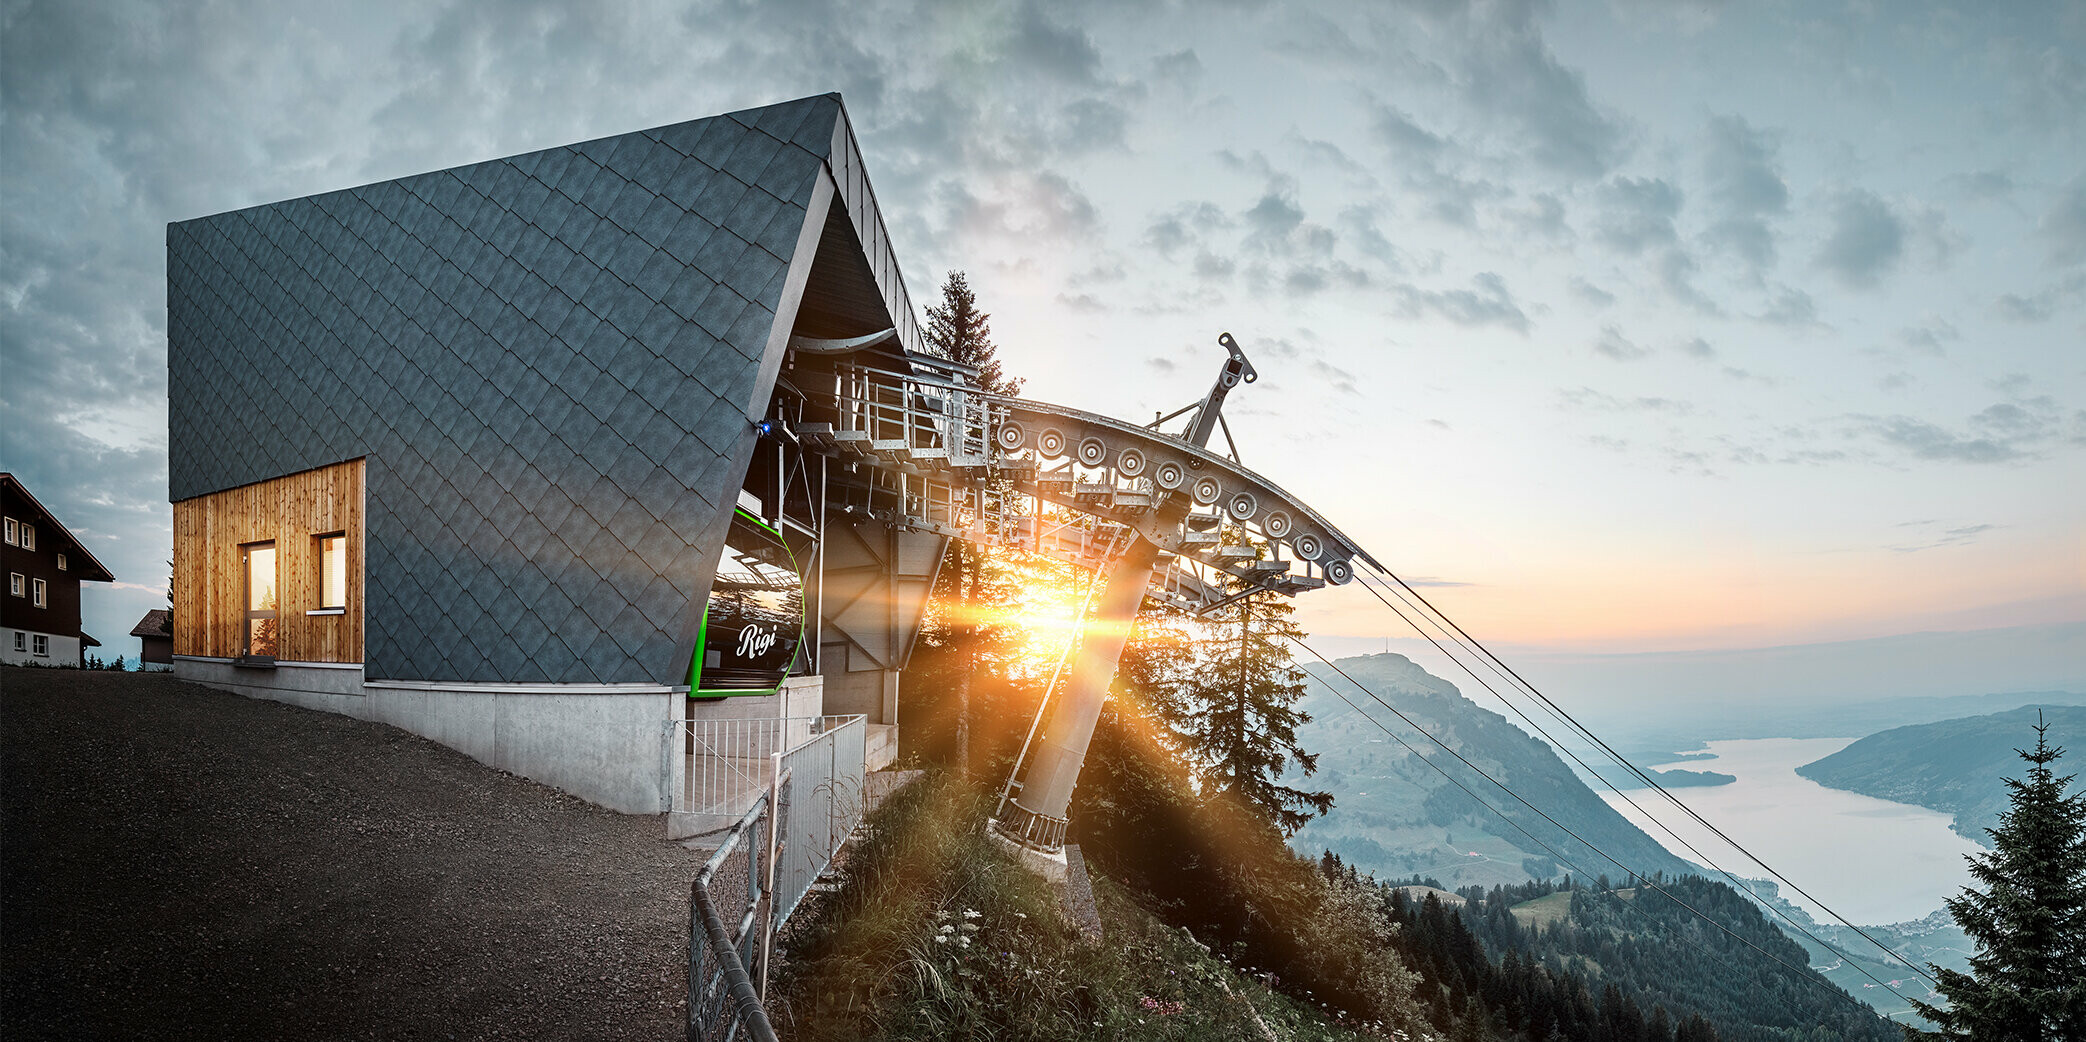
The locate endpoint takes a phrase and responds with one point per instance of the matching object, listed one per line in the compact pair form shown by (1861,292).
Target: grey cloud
(2016,308)
(1162,364)
(1274,216)
(1543,217)
(1509,72)
(1614,345)
(1790,307)
(1931,539)
(1929,336)
(1589,292)
(1746,187)
(1429,165)
(2003,432)
(1181,68)
(1055,50)
(1487,303)
(1698,348)
(1586,398)
(2063,227)
(1358,224)
(1081,302)
(1428,580)
(1984,185)
(1867,239)
(1211,266)
(1637,214)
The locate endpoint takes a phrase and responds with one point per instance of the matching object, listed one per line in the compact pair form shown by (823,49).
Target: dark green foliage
(2027,913)
(1619,953)
(1237,716)
(961,333)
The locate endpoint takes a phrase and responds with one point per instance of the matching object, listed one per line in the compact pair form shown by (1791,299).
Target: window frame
(17,584)
(39,645)
(61,563)
(21,642)
(39,593)
(13,531)
(249,614)
(319,541)
(27,536)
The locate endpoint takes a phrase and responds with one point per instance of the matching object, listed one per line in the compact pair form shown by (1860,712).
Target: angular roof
(154,624)
(93,570)
(551,362)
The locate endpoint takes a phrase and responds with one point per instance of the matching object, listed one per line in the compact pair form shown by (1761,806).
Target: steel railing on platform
(725,763)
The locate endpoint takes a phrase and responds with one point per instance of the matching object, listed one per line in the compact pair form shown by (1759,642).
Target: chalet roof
(48,526)
(553,356)
(154,624)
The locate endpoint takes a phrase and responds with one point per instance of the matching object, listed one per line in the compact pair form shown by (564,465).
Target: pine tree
(1238,719)
(958,331)
(2028,978)
(961,333)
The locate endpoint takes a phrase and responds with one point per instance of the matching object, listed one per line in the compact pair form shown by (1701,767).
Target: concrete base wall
(607,747)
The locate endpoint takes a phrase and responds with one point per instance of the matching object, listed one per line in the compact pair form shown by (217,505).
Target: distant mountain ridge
(1955,766)
(1395,816)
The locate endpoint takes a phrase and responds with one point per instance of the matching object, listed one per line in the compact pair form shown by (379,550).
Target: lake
(1871,860)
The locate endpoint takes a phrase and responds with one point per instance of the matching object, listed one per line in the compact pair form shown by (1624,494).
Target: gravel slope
(176,862)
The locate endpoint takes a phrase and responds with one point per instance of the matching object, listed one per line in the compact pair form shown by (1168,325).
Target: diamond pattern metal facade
(548,361)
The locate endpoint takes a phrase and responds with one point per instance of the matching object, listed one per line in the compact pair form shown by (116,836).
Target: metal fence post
(774,847)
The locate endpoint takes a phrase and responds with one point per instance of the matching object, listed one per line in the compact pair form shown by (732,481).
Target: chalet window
(41,596)
(16,585)
(13,537)
(258,562)
(41,646)
(61,562)
(21,641)
(333,574)
(28,536)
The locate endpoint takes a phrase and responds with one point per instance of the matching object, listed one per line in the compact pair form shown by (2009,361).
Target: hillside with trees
(1396,815)
(1956,766)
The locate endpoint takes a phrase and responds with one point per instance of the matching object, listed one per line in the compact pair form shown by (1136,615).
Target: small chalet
(156,633)
(45,565)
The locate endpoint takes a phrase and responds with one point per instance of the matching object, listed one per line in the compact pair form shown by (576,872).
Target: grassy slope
(1008,966)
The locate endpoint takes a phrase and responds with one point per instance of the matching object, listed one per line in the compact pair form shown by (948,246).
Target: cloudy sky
(1636,327)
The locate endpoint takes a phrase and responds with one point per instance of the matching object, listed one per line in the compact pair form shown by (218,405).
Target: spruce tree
(961,333)
(1238,718)
(958,331)
(2028,979)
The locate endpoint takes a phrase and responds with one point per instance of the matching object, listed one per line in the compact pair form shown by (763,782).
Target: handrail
(703,919)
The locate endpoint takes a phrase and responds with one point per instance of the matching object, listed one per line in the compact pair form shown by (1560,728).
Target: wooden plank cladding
(294,512)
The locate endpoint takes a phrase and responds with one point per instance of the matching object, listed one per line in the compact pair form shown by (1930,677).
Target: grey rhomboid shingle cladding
(547,360)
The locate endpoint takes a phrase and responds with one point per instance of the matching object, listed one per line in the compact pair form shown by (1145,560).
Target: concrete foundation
(603,743)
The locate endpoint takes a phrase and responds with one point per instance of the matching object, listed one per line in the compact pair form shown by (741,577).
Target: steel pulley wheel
(1170,475)
(1308,547)
(1010,436)
(1051,442)
(1242,506)
(1207,490)
(1338,572)
(1092,451)
(1277,524)
(1129,463)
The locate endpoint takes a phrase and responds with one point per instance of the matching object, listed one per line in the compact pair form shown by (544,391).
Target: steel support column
(1046,788)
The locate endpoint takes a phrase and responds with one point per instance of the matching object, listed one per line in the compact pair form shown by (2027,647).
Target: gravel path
(176,862)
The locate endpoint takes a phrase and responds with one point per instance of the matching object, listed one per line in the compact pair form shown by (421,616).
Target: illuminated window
(258,562)
(42,646)
(16,585)
(41,597)
(28,536)
(333,571)
(61,562)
